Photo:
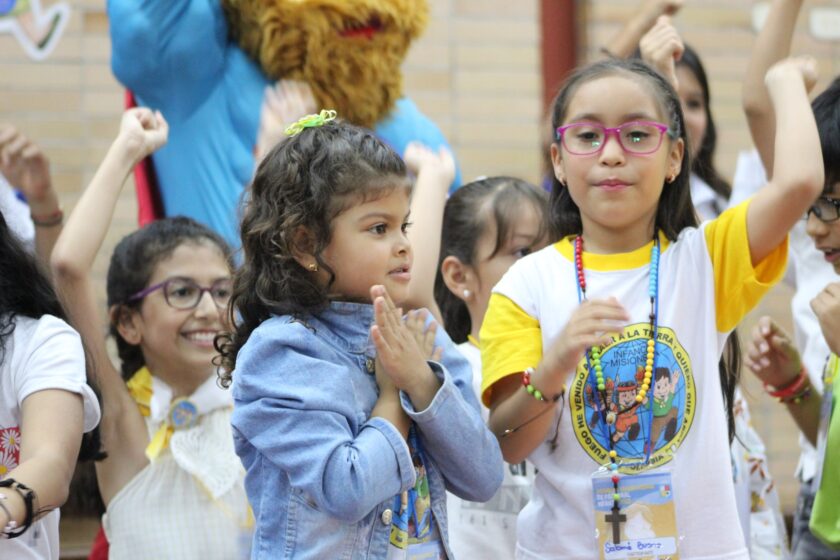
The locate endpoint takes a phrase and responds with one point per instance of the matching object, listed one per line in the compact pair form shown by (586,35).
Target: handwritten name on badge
(641,548)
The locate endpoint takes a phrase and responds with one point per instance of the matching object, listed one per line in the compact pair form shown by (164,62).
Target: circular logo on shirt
(644,434)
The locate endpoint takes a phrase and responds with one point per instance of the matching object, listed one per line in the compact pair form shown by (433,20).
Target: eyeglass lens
(826,209)
(586,138)
(182,293)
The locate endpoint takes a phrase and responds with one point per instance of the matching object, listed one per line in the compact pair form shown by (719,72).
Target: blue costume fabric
(176,56)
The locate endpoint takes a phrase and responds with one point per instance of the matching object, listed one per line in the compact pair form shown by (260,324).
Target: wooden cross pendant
(616,518)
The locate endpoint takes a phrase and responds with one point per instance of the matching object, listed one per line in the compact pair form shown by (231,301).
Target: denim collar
(348,324)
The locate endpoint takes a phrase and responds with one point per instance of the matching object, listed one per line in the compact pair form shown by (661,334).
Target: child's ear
(303,248)
(557,163)
(458,278)
(675,158)
(125,319)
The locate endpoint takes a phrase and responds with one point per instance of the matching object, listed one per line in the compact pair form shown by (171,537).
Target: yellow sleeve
(738,284)
(511,342)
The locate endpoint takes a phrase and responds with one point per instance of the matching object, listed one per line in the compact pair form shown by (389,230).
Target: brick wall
(476,72)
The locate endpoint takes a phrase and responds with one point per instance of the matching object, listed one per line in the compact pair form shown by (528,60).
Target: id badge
(643,523)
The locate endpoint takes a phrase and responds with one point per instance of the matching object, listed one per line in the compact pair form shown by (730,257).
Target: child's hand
(416,323)
(826,306)
(24,164)
(662,47)
(771,355)
(656,8)
(805,67)
(398,351)
(283,103)
(588,326)
(418,157)
(142,132)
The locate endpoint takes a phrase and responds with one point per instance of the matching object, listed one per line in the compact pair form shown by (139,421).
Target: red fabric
(149,203)
(99,550)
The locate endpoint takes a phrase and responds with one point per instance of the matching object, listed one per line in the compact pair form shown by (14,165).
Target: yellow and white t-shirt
(707,283)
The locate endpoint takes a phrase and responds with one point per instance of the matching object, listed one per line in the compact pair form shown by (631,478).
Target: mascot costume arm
(205,64)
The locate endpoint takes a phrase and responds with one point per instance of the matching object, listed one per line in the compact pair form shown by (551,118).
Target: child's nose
(613,152)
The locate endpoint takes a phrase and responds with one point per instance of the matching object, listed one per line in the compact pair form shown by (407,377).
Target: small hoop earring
(467,294)
(313,267)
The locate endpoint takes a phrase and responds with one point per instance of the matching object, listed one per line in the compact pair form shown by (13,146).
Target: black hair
(703,163)
(26,291)
(826,107)
(675,211)
(133,263)
(466,217)
(300,187)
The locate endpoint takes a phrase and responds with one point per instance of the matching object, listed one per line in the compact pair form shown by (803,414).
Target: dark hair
(703,164)
(675,211)
(26,291)
(826,107)
(466,217)
(133,263)
(299,188)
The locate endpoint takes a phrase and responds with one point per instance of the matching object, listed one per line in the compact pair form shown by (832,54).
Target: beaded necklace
(593,359)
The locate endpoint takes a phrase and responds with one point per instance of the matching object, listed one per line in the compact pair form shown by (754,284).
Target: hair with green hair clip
(311,121)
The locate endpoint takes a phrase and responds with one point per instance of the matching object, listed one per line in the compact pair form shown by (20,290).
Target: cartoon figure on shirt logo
(35,28)
(665,413)
(644,433)
(627,422)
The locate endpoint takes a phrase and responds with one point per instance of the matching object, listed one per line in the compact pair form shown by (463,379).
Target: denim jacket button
(386,516)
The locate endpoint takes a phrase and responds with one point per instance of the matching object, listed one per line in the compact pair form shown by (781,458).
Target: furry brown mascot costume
(205,64)
(308,41)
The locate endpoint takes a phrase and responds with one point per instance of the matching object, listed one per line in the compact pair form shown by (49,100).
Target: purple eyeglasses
(185,293)
(636,137)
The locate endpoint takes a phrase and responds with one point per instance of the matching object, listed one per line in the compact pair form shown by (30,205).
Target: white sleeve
(749,177)
(49,355)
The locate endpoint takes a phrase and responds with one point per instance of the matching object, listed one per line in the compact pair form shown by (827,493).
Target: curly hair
(301,186)
(133,263)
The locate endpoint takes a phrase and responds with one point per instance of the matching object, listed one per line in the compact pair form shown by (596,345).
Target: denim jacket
(321,472)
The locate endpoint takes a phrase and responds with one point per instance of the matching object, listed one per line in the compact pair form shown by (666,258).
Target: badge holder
(634,515)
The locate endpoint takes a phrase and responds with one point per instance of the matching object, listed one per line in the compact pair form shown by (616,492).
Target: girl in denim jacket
(349,433)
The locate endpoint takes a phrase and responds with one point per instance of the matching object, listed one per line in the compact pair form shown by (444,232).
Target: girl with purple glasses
(172,484)
(600,352)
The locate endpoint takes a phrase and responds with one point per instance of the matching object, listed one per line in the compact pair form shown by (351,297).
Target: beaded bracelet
(48,220)
(26,493)
(794,389)
(536,393)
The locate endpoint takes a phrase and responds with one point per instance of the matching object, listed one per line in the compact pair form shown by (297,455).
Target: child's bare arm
(519,420)
(772,45)
(797,178)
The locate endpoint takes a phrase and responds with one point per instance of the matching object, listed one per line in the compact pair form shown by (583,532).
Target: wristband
(796,388)
(26,493)
(48,220)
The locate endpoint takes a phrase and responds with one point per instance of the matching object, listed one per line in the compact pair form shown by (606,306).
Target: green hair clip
(311,121)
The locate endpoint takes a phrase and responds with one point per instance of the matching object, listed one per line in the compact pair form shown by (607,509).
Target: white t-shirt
(40,354)
(706,285)
(811,273)
(16,213)
(487,531)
